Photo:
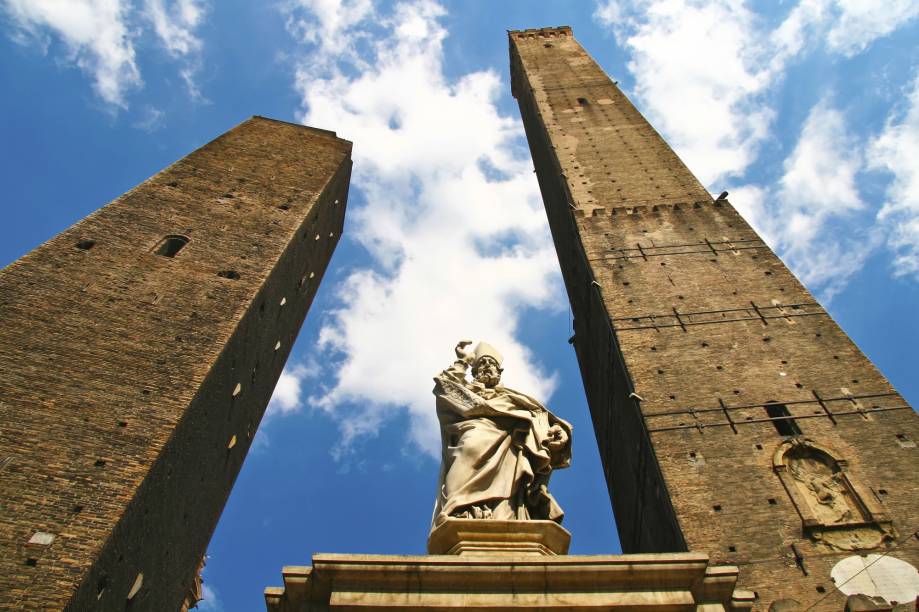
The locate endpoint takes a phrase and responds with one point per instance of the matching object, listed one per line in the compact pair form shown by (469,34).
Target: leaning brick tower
(733,415)
(138,351)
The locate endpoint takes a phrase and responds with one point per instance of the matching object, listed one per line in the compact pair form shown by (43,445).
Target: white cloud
(847,27)
(861,22)
(700,71)
(703,68)
(288,394)
(330,25)
(811,217)
(96,36)
(100,37)
(175,24)
(896,150)
(453,221)
(210,601)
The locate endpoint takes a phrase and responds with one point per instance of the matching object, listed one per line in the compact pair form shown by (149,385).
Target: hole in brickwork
(882,491)
(716,508)
(719,367)
(99,462)
(85,244)
(766,338)
(122,423)
(835,356)
(732,549)
(799,385)
(171,245)
(653,348)
(782,419)
(230,274)
(821,589)
(659,371)
(855,380)
(772,501)
(31,562)
(284,207)
(583,101)
(758,446)
(673,397)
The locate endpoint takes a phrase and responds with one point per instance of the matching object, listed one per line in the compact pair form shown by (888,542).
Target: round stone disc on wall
(893,579)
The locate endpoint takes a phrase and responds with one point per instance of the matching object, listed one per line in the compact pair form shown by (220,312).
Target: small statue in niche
(499,446)
(824,489)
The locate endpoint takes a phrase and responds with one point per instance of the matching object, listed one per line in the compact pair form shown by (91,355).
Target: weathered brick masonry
(132,383)
(686,327)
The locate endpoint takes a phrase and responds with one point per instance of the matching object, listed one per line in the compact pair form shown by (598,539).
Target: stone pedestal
(486,537)
(505,582)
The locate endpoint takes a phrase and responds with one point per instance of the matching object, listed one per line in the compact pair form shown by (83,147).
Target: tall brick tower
(138,351)
(733,415)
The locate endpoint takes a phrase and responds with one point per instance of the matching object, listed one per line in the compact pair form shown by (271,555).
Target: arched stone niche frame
(835,509)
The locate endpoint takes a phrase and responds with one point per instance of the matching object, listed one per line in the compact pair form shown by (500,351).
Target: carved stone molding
(835,509)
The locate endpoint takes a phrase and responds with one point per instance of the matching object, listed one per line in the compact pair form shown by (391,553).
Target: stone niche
(835,509)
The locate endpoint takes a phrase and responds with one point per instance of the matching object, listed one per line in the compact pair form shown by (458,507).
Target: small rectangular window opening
(583,101)
(782,420)
(171,245)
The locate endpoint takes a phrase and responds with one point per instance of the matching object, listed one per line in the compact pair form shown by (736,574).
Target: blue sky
(808,113)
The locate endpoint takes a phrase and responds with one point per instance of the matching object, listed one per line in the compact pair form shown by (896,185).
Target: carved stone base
(486,537)
(444,583)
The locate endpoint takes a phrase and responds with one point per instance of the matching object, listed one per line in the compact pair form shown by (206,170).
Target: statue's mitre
(484,349)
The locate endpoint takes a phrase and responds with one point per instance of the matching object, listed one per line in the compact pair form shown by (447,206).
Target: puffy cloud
(288,396)
(860,22)
(452,221)
(95,34)
(812,216)
(100,37)
(700,71)
(896,150)
(329,25)
(175,24)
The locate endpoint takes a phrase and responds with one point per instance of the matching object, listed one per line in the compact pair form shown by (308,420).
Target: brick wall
(687,325)
(133,383)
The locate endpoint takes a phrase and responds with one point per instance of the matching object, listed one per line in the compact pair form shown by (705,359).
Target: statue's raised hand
(461,352)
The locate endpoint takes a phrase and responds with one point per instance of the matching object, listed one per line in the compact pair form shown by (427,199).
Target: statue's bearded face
(487,371)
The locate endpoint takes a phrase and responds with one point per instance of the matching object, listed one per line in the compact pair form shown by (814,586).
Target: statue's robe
(496,463)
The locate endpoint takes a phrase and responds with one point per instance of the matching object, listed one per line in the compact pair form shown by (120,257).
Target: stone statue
(499,445)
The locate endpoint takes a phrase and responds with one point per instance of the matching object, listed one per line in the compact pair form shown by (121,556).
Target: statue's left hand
(557,438)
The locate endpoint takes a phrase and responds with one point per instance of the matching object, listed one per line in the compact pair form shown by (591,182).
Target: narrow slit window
(782,420)
(171,245)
